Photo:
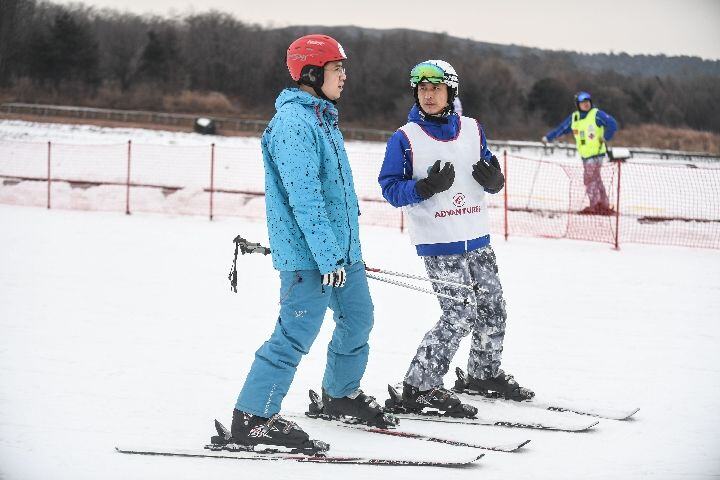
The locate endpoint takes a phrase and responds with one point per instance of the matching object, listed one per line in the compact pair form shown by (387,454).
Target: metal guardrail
(257,126)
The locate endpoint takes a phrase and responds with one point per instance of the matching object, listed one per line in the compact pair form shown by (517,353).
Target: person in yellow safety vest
(592,129)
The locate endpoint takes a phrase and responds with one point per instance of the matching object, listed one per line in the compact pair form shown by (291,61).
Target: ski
(507,448)
(271,455)
(555,426)
(222,446)
(315,412)
(395,405)
(345,423)
(554,405)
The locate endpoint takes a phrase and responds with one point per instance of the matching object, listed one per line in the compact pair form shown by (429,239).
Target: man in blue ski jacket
(312,218)
(592,129)
(438,168)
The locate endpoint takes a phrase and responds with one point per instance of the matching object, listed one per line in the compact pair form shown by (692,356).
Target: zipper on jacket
(328,132)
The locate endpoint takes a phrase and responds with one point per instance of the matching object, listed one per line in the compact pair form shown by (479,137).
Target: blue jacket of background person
(602,119)
(312,209)
(396,172)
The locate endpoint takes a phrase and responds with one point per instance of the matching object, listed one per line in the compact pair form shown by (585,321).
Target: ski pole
(426,279)
(465,301)
(244,247)
(250,247)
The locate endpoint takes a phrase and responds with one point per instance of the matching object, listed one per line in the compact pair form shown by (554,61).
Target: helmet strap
(322,95)
(314,77)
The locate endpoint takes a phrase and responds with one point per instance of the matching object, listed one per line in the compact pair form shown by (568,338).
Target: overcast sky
(670,27)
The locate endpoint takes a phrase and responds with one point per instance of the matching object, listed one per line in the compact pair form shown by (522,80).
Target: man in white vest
(439,169)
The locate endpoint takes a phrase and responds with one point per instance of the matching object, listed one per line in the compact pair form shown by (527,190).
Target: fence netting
(651,202)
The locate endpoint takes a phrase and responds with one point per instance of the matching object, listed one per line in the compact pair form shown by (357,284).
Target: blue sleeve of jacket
(607,121)
(395,177)
(298,164)
(485,152)
(560,130)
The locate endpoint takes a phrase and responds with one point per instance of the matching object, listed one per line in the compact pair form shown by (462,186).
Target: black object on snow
(203,125)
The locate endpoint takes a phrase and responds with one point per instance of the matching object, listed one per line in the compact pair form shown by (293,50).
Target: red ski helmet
(312,51)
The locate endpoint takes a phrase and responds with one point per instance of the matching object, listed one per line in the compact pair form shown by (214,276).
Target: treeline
(80,55)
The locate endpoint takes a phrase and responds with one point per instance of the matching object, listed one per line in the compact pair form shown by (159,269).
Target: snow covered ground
(122,329)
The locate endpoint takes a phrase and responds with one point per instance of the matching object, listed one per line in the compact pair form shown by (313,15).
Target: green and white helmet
(436,71)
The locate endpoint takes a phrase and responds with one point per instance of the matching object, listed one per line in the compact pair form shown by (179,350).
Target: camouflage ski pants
(593,182)
(486,319)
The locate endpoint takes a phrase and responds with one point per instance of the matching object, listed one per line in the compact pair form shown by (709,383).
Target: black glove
(488,174)
(437,180)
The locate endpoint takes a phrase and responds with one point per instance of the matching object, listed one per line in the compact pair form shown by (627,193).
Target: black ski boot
(358,406)
(439,400)
(502,386)
(444,401)
(248,431)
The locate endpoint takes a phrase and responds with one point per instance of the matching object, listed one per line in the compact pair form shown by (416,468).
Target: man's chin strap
(318,91)
(322,95)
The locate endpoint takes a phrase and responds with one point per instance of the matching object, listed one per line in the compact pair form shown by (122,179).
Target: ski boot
(248,431)
(440,401)
(502,386)
(355,408)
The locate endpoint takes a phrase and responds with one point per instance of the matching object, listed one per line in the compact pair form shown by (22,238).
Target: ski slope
(122,330)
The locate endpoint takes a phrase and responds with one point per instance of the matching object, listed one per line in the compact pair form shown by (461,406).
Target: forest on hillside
(217,64)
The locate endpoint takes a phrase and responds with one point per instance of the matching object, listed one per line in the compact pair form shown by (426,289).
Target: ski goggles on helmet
(582,96)
(426,72)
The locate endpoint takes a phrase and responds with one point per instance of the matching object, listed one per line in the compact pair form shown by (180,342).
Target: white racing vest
(459,213)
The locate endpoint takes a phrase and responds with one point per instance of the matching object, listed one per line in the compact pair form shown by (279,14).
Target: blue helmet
(582,96)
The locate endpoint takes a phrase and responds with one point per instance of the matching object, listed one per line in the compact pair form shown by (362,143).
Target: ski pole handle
(243,246)
(464,301)
(426,279)
(250,247)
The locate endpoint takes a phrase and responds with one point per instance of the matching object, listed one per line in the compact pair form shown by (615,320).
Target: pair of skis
(394,404)
(217,450)
(275,456)
(551,405)
(220,449)
(315,411)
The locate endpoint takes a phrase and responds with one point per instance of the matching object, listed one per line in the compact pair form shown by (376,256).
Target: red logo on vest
(459,200)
